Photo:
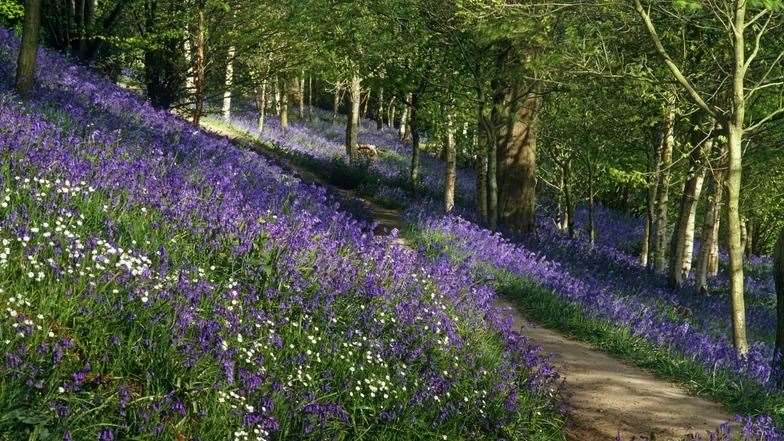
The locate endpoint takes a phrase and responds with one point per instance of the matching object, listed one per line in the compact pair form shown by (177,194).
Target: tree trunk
(380,111)
(391,116)
(352,119)
(365,105)
(404,118)
(735,141)
(301,96)
(413,130)
(336,102)
(663,187)
(568,198)
(682,242)
(198,63)
(284,106)
(261,104)
(481,141)
(276,82)
(591,227)
(497,132)
(517,164)
(310,96)
(228,81)
(28,49)
(650,210)
(778,273)
(450,163)
(709,239)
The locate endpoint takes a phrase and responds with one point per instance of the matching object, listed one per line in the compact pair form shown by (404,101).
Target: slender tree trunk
(414,133)
(276,82)
(28,50)
(517,164)
(365,105)
(199,63)
(568,198)
(682,242)
(261,104)
(562,217)
(352,119)
(310,96)
(650,211)
(228,81)
(190,85)
(709,239)
(497,132)
(591,210)
(301,96)
(778,273)
(481,141)
(735,140)
(380,111)
(391,116)
(284,105)
(450,163)
(663,187)
(404,118)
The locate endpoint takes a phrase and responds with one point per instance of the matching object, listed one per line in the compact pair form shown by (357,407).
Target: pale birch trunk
(261,104)
(650,210)
(284,106)
(450,164)
(352,119)
(227,83)
(380,111)
(663,187)
(709,237)
(404,118)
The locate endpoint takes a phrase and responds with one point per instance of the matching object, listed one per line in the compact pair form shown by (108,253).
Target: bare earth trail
(605,396)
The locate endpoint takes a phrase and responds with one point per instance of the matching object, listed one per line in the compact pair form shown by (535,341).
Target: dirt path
(605,396)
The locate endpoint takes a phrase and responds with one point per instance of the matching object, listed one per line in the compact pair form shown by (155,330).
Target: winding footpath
(605,396)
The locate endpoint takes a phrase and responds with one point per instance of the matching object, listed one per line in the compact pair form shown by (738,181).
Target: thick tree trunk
(708,257)
(261,104)
(352,119)
(413,130)
(778,273)
(284,105)
(227,84)
(199,63)
(380,110)
(663,187)
(517,164)
(450,163)
(28,50)
(682,242)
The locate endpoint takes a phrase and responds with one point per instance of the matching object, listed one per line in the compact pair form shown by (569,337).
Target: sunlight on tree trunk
(227,84)
(284,104)
(352,119)
(663,188)
(380,110)
(709,238)
(413,132)
(654,167)
(450,163)
(261,104)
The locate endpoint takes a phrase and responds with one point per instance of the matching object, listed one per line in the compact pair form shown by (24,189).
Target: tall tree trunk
(650,210)
(404,118)
(778,273)
(352,119)
(568,197)
(709,239)
(481,142)
(227,84)
(391,117)
(365,105)
(450,163)
(301,95)
(497,132)
(276,83)
(336,101)
(682,242)
(284,105)
(198,63)
(310,96)
(28,49)
(413,130)
(663,187)
(517,164)
(380,111)
(261,104)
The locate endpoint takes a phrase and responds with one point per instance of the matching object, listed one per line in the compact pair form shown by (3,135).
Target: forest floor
(605,396)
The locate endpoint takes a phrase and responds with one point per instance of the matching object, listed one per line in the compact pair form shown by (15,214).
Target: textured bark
(391,117)
(352,119)
(28,50)
(284,105)
(480,165)
(276,96)
(336,102)
(591,225)
(517,162)
(682,242)
(198,63)
(778,273)
(663,187)
(227,84)
(301,95)
(734,143)
(650,209)
(450,163)
(708,258)
(380,110)
(261,104)
(365,104)
(404,119)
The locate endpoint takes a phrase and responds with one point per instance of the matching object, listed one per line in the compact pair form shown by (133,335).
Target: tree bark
(28,49)
(198,63)
(336,102)
(517,163)
(778,273)
(591,225)
(365,105)
(708,258)
(352,119)
(227,84)
(450,163)
(301,96)
(391,116)
(380,111)
(663,186)
(261,104)
(413,130)
(650,211)
(310,96)
(404,118)
(682,242)
(284,105)
(481,141)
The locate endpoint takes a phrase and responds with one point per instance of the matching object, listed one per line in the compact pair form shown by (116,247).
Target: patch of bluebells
(130,241)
